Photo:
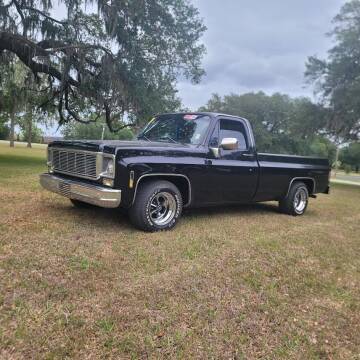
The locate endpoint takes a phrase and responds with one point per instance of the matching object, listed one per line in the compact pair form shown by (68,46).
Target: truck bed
(278,170)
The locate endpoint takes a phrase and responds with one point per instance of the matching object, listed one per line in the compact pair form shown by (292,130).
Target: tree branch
(7,5)
(22,16)
(109,120)
(44,15)
(26,50)
(56,45)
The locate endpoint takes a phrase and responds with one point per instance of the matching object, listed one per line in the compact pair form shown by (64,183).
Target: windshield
(177,128)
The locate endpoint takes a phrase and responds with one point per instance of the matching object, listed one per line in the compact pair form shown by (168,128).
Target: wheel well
(181,182)
(310,184)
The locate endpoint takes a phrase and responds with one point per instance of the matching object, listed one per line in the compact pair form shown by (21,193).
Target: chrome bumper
(91,194)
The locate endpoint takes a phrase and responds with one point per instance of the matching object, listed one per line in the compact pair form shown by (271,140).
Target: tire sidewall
(300,186)
(172,222)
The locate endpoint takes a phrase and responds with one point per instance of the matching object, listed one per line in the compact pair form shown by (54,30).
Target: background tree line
(119,65)
(281,124)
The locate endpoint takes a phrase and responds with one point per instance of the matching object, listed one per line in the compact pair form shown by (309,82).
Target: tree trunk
(12,128)
(336,160)
(29,138)
(103,132)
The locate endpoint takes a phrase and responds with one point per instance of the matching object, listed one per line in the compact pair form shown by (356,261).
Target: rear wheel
(157,206)
(296,201)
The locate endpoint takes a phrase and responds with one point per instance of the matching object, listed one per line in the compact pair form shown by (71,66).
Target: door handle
(208,162)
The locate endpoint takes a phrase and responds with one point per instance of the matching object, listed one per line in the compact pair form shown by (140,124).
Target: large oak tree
(337,78)
(104,57)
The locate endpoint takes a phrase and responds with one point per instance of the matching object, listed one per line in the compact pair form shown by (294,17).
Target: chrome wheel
(162,208)
(300,200)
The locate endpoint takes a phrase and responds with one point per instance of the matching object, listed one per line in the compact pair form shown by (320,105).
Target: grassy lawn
(229,283)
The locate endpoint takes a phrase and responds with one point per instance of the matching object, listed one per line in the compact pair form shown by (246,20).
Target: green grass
(241,282)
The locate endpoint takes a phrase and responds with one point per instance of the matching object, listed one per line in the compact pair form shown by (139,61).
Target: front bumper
(89,193)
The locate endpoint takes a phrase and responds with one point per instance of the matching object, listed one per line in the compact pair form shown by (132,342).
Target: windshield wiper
(142,136)
(167,137)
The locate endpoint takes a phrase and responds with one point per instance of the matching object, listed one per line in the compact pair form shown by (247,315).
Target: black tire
(146,215)
(296,201)
(81,205)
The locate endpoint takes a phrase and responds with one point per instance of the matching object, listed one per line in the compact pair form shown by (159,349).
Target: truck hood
(112,146)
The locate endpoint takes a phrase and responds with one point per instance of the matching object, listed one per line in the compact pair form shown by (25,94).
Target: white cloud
(257,45)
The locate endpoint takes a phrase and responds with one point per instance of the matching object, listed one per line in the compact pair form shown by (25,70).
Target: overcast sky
(257,45)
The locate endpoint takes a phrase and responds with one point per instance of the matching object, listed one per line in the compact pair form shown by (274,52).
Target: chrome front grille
(75,162)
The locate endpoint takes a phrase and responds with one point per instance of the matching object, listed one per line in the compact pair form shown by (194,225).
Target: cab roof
(209,113)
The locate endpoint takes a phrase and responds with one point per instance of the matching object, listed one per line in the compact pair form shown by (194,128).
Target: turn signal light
(108,182)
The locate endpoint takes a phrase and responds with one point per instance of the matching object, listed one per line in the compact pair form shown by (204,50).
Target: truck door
(233,173)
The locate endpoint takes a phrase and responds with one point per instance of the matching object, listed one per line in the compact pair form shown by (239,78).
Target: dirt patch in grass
(239,282)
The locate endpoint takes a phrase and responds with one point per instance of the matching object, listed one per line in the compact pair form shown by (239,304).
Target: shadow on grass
(92,215)
(119,218)
(235,209)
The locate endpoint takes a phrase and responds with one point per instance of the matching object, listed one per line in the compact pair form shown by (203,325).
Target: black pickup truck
(182,160)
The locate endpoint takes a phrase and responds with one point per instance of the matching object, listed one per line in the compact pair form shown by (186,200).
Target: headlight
(108,169)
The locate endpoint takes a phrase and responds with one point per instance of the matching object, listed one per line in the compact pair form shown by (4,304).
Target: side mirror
(229,144)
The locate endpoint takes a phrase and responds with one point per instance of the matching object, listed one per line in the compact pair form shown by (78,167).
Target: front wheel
(157,206)
(296,201)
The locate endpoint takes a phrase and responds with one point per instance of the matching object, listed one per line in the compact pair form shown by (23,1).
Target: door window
(233,129)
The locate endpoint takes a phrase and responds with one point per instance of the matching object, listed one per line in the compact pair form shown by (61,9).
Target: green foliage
(281,124)
(93,131)
(347,168)
(4,128)
(108,58)
(337,78)
(12,87)
(322,147)
(350,155)
(4,132)
(20,100)
(36,134)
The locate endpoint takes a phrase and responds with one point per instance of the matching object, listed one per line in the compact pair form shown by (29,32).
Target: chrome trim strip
(302,178)
(55,171)
(163,174)
(91,194)
(74,149)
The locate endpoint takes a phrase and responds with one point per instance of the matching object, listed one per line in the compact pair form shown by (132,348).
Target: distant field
(352,178)
(227,283)
(22,144)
